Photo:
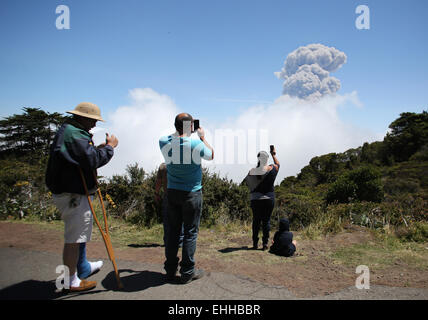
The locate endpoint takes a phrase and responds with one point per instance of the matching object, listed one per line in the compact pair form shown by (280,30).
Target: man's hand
(201,132)
(111,140)
(273,152)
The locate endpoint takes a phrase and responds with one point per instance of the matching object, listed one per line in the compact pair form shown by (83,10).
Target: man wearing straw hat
(72,150)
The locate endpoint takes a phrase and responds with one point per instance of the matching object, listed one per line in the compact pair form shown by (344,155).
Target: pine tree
(29,134)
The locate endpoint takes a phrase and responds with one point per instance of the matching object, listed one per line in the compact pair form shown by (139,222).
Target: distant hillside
(379,183)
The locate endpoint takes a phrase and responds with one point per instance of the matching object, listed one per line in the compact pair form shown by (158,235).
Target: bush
(223,199)
(417,232)
(328,223)
(342,191)
(362,184)
(132,196)
(399,186)
(301,210)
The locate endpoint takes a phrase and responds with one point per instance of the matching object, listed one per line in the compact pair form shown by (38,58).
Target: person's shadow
(145,245)
(31,290)
(227,250)
(136,281)
(47,290)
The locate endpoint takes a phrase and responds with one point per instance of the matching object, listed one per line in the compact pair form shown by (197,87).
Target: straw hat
(87,110)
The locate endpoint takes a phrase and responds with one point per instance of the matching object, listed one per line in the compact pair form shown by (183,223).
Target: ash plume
(306,71)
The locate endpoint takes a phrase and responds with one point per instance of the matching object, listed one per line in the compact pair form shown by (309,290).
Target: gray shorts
(77,216)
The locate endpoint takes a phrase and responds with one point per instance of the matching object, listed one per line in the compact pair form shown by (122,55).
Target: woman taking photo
(260,180)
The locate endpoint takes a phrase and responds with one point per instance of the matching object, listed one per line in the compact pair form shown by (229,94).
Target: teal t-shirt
(183,158)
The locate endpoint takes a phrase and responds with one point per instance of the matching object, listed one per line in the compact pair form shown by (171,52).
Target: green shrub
(362,184)
(398,186)
(417,232)
(327,223)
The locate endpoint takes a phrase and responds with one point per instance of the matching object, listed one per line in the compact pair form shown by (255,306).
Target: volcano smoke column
(306,71)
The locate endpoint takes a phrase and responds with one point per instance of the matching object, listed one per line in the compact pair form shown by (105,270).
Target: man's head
(87,114)
(183,123)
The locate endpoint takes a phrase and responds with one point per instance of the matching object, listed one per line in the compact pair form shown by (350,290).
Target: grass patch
(325,224)
(384,252)
(124,234)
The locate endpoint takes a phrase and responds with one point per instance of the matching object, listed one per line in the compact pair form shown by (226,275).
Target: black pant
(184,208)
(262,211)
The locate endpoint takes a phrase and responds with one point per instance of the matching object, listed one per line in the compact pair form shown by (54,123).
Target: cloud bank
(299,129)
(306,71)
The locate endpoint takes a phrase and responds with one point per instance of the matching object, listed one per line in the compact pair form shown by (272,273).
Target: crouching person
(283,243)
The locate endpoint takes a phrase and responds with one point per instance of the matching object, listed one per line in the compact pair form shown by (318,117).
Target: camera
(195,125)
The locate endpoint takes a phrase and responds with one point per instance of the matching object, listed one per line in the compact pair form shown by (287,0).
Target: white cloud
(138,127)
(299,129)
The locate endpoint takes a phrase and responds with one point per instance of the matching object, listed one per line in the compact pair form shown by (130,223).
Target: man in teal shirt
(183,155)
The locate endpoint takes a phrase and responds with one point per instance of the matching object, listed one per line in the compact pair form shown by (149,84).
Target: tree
(363,184)
(408,134)
(28,134)
(325,167)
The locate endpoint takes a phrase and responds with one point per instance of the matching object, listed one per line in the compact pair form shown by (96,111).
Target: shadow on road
(31,290)
(146,245)
(227,250)
(137,281)
(46,290)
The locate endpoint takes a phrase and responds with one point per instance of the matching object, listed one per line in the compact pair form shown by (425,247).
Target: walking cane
(104,233)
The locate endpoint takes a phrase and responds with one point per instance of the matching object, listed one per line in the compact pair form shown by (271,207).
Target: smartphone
(272,148)
(195,124)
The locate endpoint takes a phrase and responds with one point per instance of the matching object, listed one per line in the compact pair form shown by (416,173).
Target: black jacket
(283,240)
(72,149)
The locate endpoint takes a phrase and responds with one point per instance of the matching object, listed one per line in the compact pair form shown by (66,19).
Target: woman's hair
(263,156)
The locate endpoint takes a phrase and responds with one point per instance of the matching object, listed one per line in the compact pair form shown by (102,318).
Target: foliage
(376,185)
(131,196)
(408,134)
(362,184)
(22,190)
(417,232)
(223,198)
(29,134)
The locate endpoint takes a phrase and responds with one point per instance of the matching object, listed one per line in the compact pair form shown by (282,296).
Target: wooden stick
(104,233)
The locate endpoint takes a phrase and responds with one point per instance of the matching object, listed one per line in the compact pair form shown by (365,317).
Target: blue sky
(213,58)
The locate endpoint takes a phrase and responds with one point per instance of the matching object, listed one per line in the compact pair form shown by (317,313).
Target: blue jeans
(165,222)
(83,266)
(184,208)
(262,211)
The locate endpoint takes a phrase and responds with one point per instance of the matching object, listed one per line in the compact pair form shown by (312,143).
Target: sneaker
(84,286)
(197,274)
(90,269)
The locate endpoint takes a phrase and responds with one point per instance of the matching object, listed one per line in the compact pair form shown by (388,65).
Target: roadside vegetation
(380,186)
